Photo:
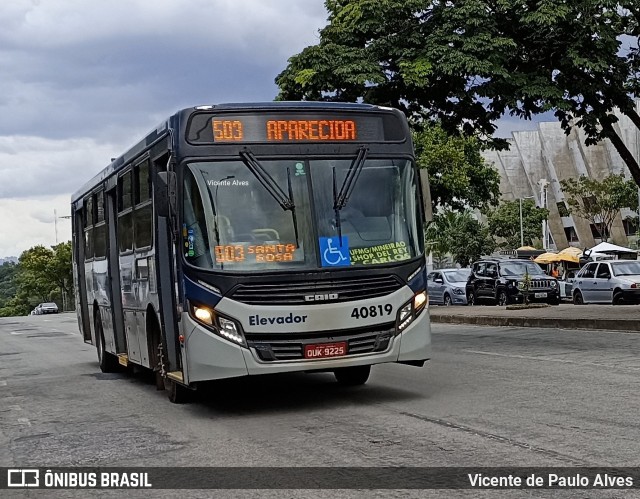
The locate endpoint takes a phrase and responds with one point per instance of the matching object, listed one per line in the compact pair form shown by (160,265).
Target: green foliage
(42,274)
(599,201)
(526,286)
(458,175)
(377,51)
(467,63)
(8,284)
(504,222)
(460,235)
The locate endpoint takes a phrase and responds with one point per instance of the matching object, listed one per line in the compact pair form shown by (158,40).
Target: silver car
(447,286)
(612,281)
(46,308)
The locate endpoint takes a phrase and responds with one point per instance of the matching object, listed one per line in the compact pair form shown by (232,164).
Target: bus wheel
(352,376)
(107,361)
(178,394)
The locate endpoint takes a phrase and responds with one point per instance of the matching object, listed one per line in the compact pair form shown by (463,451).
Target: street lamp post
(55,222)
(544,183)
(521,228)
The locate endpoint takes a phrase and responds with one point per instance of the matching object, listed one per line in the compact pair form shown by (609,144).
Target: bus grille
(290,346)
(292,293)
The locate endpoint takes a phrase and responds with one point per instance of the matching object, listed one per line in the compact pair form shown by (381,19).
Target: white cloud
(33,166)
(28,222)
(83,81)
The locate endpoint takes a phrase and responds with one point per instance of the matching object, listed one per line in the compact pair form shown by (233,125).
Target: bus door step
(123,359)
(176,376)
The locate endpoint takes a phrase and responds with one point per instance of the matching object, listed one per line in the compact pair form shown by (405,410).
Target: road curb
(629,326)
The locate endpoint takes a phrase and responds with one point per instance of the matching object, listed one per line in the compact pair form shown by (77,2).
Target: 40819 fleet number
(371,311)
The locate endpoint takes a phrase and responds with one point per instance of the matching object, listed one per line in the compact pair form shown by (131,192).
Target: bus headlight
(222,326)
(203,314)
(229,330)
(410,310)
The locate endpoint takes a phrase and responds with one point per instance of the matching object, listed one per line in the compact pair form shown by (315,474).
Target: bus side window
(125,214)
(143,185)
(143,211)
(100,228)
(88,228)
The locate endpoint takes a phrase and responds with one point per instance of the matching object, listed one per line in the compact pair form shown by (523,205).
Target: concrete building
(538,160)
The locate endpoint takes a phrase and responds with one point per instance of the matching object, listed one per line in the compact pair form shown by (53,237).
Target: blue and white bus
(245,239)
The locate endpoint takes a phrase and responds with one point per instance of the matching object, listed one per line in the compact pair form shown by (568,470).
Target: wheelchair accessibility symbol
(333,253)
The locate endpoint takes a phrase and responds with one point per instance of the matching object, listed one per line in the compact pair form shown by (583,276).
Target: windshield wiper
(341,198)
(271,186)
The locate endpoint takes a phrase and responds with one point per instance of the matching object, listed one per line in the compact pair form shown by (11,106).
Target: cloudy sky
(81,81)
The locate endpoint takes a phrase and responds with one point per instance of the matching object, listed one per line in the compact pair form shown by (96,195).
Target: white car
(614,281)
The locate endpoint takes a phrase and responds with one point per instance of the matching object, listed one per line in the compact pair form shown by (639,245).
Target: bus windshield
(231,220)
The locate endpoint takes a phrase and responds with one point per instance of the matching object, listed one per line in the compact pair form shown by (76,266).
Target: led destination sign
(288,130)
(230,128)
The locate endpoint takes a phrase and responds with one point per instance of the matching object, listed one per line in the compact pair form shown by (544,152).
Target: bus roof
(163,129)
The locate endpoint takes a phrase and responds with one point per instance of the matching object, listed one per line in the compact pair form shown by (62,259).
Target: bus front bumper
(206,356)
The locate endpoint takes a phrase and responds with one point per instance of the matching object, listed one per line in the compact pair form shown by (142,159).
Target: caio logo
(322,297)
(23,478)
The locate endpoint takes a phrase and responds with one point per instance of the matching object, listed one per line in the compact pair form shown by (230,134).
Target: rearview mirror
(426,195)
(165,193)
(438,280)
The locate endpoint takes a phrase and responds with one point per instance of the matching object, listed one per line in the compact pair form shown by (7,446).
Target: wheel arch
(154,335)
(95,314)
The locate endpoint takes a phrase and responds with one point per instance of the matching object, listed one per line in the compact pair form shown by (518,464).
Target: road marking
(24,421)
(3,383)
(546,359)
(499,438)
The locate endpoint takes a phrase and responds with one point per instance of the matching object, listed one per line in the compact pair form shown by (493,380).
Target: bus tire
(107,361)
(177,393)
(352,376)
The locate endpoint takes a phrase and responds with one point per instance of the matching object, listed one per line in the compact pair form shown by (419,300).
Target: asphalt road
(489,397)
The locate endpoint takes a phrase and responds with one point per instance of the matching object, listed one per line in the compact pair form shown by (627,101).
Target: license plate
(540,295)
(325,350)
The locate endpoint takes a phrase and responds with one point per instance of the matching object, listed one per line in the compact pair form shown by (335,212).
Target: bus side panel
(146,299)
(113,282)
(129,306)
(101,298)
(90,297)
(79,275)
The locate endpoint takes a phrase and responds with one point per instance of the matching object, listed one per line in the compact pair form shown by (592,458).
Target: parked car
(447,286)
(46,308)
(501,281)
(614,282)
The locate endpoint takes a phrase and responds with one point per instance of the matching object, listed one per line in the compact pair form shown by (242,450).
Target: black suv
(500,280)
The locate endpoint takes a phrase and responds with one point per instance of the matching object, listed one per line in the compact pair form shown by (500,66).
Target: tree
(8,284)
(469,62)
(374,50)
(459,178)
(460,235)
(61,272)
(599,201)
(34,277)
(530,57)
(42,274)
(504,222)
